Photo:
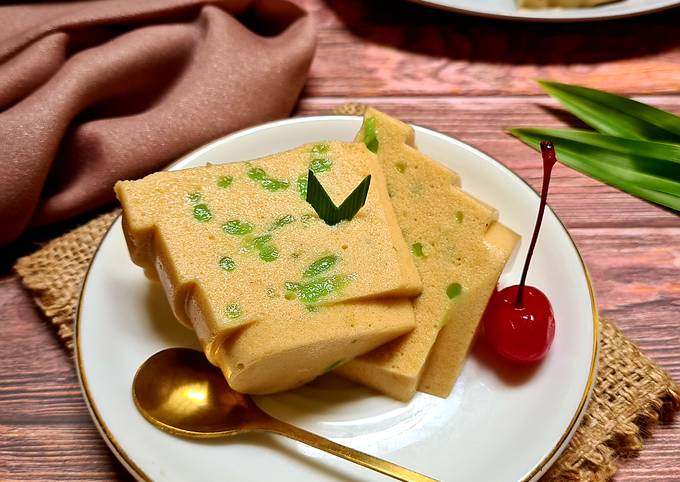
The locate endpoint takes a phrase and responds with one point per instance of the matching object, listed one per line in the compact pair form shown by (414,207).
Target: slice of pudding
(460,251)
(275,295)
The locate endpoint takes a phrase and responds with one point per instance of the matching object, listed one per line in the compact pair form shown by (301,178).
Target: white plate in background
(508,9)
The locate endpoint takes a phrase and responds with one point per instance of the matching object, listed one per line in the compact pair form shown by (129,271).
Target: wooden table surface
(469,78)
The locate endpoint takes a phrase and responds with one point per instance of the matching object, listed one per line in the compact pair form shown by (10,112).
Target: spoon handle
(379,465)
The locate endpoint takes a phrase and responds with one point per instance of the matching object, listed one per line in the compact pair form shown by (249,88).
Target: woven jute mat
(631,393)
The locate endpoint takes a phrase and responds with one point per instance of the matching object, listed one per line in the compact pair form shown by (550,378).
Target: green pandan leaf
(648,170)
(371,135)
(258,175)
(616,115)
(324,206)
(202,213)
(320,161)
(319,266)
(657,158)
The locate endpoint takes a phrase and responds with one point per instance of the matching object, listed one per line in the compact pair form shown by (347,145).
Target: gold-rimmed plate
(498,424)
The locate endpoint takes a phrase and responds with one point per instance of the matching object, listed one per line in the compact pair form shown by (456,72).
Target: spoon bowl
(180,392)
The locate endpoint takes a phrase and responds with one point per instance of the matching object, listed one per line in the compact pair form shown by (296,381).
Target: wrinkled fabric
(93,92)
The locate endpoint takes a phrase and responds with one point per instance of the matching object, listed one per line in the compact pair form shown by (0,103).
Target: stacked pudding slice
(390,298)
(460,251)
(276,296)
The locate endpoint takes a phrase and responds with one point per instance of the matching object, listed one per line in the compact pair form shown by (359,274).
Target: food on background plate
(561,3)
(460,250)
(276,296)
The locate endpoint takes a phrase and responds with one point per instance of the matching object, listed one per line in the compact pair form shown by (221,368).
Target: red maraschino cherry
(518,322)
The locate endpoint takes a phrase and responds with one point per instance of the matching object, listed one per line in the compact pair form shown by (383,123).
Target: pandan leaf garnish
(324,206)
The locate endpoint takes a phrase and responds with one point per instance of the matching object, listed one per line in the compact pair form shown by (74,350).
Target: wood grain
(408,49)
(45,429)
(466,77)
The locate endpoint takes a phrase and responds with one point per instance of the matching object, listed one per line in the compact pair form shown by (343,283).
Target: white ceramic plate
(508,9)
(498,425)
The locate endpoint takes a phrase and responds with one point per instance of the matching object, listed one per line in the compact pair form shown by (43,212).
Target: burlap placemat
(631,392)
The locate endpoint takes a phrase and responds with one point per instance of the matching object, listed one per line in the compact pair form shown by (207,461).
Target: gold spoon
(180,392)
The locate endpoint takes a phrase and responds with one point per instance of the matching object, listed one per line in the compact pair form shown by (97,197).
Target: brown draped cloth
(92,92)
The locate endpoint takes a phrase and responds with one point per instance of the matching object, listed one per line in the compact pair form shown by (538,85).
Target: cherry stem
(549,159)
